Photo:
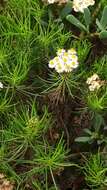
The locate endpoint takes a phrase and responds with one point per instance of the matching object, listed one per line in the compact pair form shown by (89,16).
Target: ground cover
(53,95)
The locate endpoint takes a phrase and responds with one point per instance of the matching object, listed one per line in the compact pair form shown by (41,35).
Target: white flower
(73,57)
(60,2)
(94,86)
(1,85)
(74,64)
(60,67)
(53,62)
(91,88)
(65,61)
(94,77)
(94,82)
(68,68)
(60,52)
(72,51)
(90,2)
(80,5)
(51,1)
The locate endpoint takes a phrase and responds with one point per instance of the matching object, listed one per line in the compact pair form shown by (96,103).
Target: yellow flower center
(65,59)
(56,59)
(73,56)
(65,53)
(52,62)
(73,63)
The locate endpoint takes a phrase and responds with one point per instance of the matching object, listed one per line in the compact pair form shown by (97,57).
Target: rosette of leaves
(95,172)
(96,109)
(76,22)
(25,129)
(85,27)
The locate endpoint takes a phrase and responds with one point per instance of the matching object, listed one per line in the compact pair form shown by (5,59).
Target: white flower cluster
(80,5)
(65,61)
(94,82)
(1,85)
(51,1)
(55,1)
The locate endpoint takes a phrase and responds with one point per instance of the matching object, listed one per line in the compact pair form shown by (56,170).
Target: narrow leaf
(100,27)
(86,130)
(87,17)
(103,20)
(73,20)
(82,139)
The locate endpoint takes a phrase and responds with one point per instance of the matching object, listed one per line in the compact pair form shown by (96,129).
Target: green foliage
(13,24)
(5,164)
(38,12)
(5,101)
(97,103)
(101,25)
(100,66)
(103,20)
(93,135)
(75,21)
(50,159)
(84,139)
(95,172)
(87,17)
(83,48)
(66,10)
(52,36)
(32,153)
(103,34)
(15,73)
(60,86)
(25,127)
(72,19)
(5,52)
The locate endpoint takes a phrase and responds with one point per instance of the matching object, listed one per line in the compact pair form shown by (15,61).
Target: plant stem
(53,179)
